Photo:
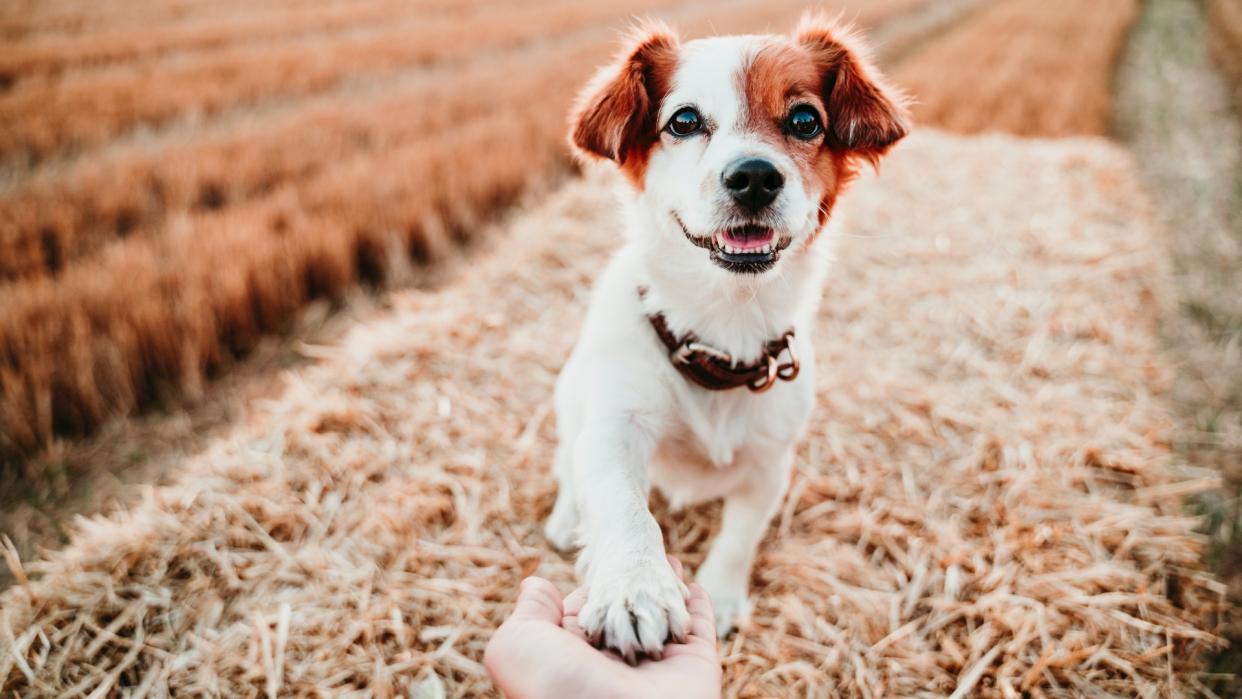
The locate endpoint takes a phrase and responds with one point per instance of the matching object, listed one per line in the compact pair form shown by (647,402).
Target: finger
(570,624)
(678,568)
(538,600)
(702,617)
(574,601)
(572,608)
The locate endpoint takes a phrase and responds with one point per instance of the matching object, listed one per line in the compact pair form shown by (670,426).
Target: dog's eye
(685,122)
(804,122)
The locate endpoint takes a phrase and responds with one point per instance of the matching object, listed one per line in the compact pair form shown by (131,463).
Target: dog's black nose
(753,182)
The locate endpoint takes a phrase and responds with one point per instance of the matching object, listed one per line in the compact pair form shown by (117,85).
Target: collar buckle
(690,347)
(787,371)
(768,380)
(716,370)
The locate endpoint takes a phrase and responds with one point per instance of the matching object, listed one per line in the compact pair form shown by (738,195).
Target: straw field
(1030,67)
(136,267)
(983,506)
(991,498)
(77,109)
(57,49)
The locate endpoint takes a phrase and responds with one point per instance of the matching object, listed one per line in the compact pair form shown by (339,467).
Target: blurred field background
(195,196)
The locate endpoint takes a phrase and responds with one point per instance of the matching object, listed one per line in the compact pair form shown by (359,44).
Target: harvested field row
(1029,67)
(53,221)
(982,505)
(148,316)
(1225,20)
(59,216)
(32,19)
(42,116)
(51,55)
(153,317)
(48,115)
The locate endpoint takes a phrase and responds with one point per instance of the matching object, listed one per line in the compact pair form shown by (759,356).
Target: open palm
(540,652)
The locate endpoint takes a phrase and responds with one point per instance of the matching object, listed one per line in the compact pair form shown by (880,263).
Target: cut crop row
(52,54)
(42,116)
(26,19)
(1030,67)
(49,223)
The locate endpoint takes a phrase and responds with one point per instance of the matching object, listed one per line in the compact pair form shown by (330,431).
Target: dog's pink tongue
(748,238)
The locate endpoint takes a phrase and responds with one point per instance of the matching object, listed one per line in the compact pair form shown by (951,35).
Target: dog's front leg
(635,602)
(747,511)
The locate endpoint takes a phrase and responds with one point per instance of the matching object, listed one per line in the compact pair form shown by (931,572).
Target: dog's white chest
(719,442)
(722,423)
(719,425)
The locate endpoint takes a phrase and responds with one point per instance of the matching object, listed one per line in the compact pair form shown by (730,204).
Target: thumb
(538,600)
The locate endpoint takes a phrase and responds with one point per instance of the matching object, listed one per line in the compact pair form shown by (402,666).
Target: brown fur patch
(866,115)
(779,77)
(616,114)
(826,68)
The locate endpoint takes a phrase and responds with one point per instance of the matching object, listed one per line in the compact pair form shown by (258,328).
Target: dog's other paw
(561,529)
(635,609)
(730,613)
(729,601)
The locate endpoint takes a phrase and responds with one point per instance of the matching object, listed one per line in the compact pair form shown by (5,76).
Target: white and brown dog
(686,375)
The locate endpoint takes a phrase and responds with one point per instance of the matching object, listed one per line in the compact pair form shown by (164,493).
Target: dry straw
(983,506)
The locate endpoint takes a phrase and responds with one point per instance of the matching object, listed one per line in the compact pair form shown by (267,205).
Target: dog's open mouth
(747,249)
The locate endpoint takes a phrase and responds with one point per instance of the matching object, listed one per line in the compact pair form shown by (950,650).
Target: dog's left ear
(616,113)
(866,116)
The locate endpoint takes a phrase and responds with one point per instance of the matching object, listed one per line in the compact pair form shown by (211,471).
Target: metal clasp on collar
(785,372)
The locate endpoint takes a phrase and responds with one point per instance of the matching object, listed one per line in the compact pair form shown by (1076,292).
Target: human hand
(540,653)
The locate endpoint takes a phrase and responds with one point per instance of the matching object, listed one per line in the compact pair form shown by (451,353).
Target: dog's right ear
(866,116)
(616,114)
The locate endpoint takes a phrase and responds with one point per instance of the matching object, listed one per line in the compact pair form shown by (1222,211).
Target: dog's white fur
(627,420)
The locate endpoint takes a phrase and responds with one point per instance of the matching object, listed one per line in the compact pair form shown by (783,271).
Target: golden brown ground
(984,503)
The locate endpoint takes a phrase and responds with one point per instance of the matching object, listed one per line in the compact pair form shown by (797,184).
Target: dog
(694,371)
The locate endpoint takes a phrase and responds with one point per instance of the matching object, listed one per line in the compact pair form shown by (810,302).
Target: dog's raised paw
(730,613)
(729,600)
(635,609)
(561,528)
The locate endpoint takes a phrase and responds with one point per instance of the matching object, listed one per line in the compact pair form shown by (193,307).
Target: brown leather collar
(715,370)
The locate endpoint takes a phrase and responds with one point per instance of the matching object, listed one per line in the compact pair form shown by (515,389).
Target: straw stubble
(984,504)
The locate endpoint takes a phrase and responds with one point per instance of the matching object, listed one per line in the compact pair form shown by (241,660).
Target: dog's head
(741,144)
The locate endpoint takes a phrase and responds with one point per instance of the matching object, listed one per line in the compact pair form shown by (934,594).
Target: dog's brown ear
(616,113)
(866,116)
